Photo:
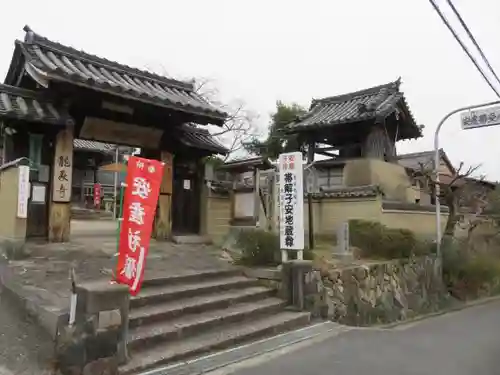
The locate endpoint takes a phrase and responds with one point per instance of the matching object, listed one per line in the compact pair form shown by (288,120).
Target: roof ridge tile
(37,39)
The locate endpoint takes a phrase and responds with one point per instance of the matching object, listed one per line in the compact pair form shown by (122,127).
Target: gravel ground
(24,348)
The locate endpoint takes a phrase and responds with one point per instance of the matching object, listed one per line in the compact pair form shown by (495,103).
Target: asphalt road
(460,343)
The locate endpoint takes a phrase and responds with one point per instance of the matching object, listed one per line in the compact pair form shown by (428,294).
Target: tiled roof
(200,138)
(404,206)
(348,192)
(48,60)
(83,144)
(247,164)
(369,104)
(27,105)
(426,158)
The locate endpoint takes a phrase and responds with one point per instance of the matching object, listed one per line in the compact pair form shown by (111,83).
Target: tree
(239,127)
(461,191)
(277,140)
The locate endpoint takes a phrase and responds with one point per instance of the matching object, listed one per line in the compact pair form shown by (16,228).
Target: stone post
(294,280)
(60,197)
(343,249)
(98,338)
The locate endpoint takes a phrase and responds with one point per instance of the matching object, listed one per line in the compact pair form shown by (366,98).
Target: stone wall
(377,293)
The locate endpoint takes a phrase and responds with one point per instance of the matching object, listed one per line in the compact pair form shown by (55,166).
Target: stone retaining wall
(377,293)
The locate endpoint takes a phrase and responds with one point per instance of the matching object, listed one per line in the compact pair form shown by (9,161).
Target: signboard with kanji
(291,190)
(97,195)
(480,118)
(139,207)
(63,167)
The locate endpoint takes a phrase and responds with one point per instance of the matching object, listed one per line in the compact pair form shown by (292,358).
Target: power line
(445,21)
(469,33)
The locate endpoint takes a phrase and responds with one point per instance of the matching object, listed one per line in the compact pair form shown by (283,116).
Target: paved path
(24,348)
(461,343)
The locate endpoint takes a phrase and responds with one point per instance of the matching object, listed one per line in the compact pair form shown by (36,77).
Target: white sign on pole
(291,181)
(23,191)
(480,118)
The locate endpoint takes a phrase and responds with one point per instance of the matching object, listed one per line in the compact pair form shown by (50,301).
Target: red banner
(97,195)
(143,182)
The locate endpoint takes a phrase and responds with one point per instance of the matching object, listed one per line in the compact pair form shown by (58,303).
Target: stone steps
(179,317)
(158,312)
(185,326)
(215,339)
(166,293)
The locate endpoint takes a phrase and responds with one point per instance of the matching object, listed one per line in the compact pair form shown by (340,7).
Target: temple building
(57,102)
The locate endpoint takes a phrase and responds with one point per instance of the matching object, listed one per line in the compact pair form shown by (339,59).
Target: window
(35,150)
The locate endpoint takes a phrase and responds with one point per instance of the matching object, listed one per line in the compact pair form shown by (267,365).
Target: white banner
(23,191)
(291,184)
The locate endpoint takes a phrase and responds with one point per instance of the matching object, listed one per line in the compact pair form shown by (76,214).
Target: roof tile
(16,103)
(375,102)
(59,62)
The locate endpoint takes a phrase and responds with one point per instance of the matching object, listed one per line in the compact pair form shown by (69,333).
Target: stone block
(109,319)
(94,297)
(102,366)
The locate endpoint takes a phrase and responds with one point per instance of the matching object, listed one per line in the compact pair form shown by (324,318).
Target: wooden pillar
(163,224)
(62,174)
(232,199)
(208,177)
(256,187)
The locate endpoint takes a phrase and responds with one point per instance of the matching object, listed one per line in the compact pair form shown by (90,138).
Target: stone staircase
(178,318)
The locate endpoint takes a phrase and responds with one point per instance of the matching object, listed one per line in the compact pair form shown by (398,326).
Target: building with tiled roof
(362,123)
(59,103)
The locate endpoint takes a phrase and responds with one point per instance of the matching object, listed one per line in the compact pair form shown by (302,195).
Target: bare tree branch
(240,125)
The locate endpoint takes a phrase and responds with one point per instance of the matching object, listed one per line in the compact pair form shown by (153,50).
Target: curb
(461,306)
(47,317)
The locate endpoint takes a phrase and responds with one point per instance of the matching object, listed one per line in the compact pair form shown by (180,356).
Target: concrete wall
(218,217)
(328,213)
(392,178)
(421,223)
(11,227)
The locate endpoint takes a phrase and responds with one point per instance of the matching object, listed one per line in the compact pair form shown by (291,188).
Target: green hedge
(261,248)
(380,242)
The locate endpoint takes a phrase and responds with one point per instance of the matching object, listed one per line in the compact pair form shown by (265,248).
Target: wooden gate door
(185,199)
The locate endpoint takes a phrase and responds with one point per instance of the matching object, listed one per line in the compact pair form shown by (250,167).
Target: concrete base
(49,318)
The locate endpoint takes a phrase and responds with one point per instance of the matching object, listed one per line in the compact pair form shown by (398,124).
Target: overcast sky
(294,50)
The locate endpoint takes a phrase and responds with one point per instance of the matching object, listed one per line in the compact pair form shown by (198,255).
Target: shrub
(258,248)
(467,274)
(262,248)
(378,241)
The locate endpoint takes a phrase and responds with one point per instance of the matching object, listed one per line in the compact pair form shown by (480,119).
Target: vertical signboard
(97,195)
(142,189)
(23,191)
(291,188)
